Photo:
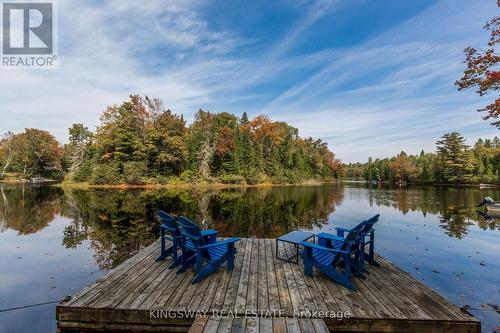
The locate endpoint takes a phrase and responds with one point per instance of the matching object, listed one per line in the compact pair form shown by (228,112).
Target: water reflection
(119,222)
(423,230)
(28,209)
(455,207)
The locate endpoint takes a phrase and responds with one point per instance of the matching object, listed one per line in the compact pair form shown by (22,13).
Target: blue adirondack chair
(197,251)
(169,230)
(169,225)
(366,237)
(339,253)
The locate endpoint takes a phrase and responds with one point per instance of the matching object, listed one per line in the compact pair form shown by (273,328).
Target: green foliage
(188,175)
(108,173)
(134,172)
(254,177)
(139,141)
(454,159)
(232,179)
(453,163)
(33,153)
(83,173)
(215,147)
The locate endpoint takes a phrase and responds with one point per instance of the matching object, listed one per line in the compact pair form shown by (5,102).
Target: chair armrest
(208,232)
(330,236)
(221,243)
(341,231)
(319,247)
(191,236)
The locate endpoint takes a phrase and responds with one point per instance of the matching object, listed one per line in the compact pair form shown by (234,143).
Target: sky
(371,78)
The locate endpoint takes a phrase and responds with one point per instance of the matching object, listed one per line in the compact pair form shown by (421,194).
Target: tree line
(141,142)
(454,162)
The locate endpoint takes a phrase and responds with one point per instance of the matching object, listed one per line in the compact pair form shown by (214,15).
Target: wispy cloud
(392,92)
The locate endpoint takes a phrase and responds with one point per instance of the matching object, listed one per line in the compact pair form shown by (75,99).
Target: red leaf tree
(483,70)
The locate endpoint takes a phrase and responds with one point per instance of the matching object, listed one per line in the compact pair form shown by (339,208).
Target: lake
(54,241)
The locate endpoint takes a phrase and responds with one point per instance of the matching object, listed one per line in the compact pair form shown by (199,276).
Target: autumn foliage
(483,70)
(139,141)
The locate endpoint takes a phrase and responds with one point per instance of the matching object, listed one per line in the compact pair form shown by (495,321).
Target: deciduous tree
(483,71)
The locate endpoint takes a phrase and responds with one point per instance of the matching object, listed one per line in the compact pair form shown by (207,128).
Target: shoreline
(217,185)
(481,185)
(72,185)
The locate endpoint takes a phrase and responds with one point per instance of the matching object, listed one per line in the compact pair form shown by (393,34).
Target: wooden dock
(261,294)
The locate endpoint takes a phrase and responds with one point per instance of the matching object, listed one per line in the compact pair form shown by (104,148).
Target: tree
(121,135)
(454,159)
(32,153)
(168,153)
(244,119)
(42,154)
(483,70)
(80,139)
(403,168)
(6,151)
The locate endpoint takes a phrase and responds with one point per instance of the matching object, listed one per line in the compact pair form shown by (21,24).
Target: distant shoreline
(354,181)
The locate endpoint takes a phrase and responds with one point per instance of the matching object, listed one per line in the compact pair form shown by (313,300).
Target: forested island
(139,142)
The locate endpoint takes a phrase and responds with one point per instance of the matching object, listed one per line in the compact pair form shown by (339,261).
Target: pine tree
(244,119)
(454,158)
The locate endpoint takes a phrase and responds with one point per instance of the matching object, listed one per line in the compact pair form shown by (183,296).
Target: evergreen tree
(454,159)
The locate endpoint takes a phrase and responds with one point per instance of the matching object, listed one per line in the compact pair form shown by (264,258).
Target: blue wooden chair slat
(367,237)
(206,256)
(169,230)
(330,259)
(324,257)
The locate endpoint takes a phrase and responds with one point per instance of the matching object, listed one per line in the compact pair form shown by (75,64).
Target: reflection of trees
(488,221)
(455,222)
(456,206)
(28,209)
(273,211)
(117,223)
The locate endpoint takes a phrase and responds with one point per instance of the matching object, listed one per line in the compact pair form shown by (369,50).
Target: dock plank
(388,300)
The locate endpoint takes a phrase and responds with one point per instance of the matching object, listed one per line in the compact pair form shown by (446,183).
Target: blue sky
(371,78)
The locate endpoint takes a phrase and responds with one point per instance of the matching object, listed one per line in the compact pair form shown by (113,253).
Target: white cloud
(393,92)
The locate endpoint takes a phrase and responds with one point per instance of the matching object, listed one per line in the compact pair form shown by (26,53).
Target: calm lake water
(54,242)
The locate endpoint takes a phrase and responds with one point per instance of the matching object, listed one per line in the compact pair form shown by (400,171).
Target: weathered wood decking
(144,295)
(258,324)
